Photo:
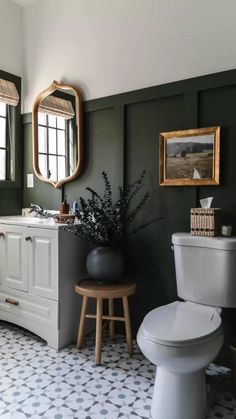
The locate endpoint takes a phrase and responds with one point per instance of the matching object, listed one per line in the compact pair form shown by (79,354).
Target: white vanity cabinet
(39,266)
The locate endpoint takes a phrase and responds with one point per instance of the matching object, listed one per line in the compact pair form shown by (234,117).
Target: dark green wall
(121,136)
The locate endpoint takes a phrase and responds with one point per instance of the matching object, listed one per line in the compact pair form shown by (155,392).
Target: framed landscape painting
(190,157)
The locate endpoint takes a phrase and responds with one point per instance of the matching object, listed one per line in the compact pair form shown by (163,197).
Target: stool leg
(82,322)
(98,331)
(111,322)
(127,325)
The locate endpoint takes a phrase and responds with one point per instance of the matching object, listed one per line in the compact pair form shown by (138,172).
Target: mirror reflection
(57,136)
(57,125)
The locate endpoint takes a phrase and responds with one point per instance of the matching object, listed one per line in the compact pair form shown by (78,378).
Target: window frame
(7,141)
(16,137)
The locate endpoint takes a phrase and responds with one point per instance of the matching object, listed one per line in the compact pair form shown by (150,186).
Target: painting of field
(193,166)
(190,158)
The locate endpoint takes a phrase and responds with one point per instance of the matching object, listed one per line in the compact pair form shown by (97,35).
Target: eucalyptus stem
(102,220)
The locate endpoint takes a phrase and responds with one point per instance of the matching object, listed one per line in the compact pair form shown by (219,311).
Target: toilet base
(179,396)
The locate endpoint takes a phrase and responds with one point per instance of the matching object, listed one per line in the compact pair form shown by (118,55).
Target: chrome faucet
(40,211)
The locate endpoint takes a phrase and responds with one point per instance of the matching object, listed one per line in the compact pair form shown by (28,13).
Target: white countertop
(31,221)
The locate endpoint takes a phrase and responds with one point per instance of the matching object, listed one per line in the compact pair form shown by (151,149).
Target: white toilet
(182,338)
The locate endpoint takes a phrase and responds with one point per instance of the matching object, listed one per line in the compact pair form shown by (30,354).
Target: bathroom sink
(20,219)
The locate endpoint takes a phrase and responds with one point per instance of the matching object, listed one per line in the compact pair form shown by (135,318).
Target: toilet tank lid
(186,239)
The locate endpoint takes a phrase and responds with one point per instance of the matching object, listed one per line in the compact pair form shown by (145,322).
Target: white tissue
(206,202)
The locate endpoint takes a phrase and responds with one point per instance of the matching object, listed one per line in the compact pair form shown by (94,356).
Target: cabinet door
(14,258)
(43,262)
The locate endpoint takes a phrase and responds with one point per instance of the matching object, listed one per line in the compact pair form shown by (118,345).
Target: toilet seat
(181,323)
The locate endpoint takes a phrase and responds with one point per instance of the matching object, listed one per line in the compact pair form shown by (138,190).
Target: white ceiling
(24,3)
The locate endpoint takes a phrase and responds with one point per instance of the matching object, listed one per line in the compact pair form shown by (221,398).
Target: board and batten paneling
(121,136)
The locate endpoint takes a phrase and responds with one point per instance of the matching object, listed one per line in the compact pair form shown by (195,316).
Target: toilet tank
(205,269)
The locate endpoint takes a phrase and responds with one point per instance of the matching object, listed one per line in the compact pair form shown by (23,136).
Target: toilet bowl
(181,339)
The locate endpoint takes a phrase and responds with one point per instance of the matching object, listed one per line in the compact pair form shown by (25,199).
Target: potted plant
(105,222)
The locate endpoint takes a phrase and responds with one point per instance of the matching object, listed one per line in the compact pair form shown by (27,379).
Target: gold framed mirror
(57,134)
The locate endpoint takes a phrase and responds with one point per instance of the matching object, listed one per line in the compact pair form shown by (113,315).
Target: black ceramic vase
(105,264)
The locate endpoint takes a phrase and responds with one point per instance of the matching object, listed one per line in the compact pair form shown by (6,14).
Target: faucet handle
(28,239)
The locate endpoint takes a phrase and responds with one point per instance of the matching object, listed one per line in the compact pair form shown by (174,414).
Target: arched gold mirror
(57,134)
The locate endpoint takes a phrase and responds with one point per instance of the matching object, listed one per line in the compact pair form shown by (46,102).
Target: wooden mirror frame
(78,114)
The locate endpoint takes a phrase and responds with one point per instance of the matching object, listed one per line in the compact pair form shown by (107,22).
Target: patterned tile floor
(38,382)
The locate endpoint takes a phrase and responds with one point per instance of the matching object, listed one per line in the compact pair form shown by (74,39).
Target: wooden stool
(89,288)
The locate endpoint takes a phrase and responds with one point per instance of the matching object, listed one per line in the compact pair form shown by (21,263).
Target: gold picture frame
(190,157)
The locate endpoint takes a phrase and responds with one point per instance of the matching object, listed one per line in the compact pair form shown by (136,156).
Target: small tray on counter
(64,218)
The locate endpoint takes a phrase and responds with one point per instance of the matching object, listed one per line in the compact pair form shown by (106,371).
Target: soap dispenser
(75,207)
(64,207)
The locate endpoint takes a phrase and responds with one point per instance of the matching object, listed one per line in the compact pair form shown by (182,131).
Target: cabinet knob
(28,239)
(12,301)
(2,235)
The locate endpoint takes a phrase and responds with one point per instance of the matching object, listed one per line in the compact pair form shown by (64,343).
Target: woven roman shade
(56,106)
(8,93)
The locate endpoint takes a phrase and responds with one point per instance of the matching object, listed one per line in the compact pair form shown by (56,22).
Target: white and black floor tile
(38,382)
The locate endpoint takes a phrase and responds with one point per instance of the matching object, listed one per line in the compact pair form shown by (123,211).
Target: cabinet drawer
(25,306)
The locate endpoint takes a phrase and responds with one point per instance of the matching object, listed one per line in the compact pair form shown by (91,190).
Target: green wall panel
(10,201)
(103,147)
(217,107)
(150,255)
(121,135)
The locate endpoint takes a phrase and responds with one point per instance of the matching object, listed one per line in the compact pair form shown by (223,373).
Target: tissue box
(205,221)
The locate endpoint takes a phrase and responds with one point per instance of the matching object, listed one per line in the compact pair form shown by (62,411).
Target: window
(4,143)
(52,134)
(9,99)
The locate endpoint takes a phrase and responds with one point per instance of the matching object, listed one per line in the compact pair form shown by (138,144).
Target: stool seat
(90,288)
(93,289)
